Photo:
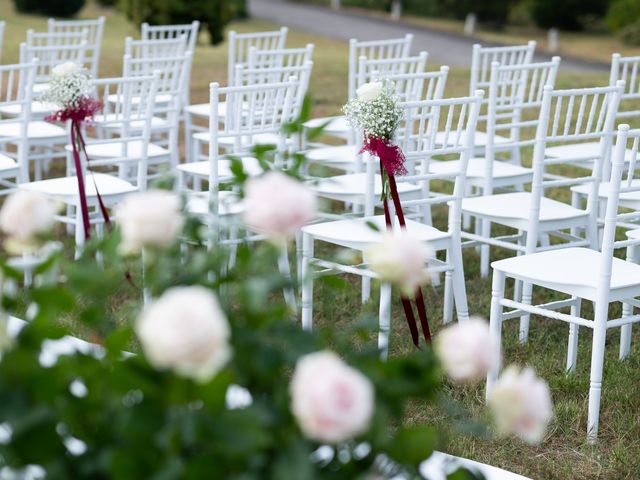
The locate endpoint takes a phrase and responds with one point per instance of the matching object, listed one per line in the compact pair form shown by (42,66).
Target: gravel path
(444,48)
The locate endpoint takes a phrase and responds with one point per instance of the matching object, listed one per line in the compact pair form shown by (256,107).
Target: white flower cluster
(68,84)
(374,110)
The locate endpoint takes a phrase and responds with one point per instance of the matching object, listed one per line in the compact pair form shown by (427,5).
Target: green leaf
(412,445)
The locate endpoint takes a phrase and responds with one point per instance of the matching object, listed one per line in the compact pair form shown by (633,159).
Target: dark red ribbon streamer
(84,111)
(392,162)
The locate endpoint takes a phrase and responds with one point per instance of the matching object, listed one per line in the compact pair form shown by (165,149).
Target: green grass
(564,453)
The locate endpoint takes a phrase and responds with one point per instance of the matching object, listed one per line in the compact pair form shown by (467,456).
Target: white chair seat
(201,169)
(480,139)
(574,271)
(358,235)
(7,163)
(513,209)
(201,110)
(581,150)
(504,173)
(135,100)
(114,150)
(229,204)
(338,155)
(37,109)
(258,139)
(35,130)
(628,199)
(109,122)
(66,188)
(633,234)
(40,87)
(338,126)
(352,187)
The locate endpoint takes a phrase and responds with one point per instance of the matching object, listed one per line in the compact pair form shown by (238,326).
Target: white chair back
(286,57)
(572,116)
(627,69)
(95,32)
(130,116)
(256,110)
(377,68)
(515,97)
(240,45)
(187,32)
(393,48)
(52,49)
(16,87)
(483,57)
(163,48)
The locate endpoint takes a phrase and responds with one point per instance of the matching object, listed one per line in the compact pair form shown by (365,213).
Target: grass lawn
(564,454)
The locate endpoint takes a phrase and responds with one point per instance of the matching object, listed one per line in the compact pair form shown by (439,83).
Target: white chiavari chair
(257,109)
(394,48)
(16,85)
(417,139)
(240,45)
(188,32)
(163,48)
(95,32)
(128,148)
(566,116)
(3,25)
(580,274)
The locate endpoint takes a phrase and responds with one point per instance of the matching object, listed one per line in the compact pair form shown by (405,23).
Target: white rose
(149,219)
(187,331)
(278,205)
(521,404)
(331,401)
(24,216)
(400,259)
(65,69)
(466,350)
(369,91)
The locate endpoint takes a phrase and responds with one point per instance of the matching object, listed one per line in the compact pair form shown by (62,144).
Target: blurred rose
(65,69)
(400,259)
(369,91)
(331,401)
(149,219)
(25,215)
(521,404)
(466,350)
(187,331)
(277,205)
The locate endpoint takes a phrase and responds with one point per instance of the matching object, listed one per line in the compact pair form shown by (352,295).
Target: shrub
(566,14)
(108,3)
(54,8)
(622,13)
(631,33)
(213,14)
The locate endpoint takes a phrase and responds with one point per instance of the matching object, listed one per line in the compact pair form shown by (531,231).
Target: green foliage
(108,3)
(623,13)
(54,8)
(567,14)
(213,14)
(631,33)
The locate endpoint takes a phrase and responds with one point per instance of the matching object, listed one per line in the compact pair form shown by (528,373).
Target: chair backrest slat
(95,33)
(240,44)
(188,33)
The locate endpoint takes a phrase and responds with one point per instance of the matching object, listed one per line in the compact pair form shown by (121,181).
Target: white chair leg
(233,246)
(523,335)
(495,324)
(597,364)
(285,271)
(458,284)
(299,256)
(574,330)
(366,285)
(307,282)
(447,310)
(384,320)
(627,311)
(79,233)
(187,138)
(484,249)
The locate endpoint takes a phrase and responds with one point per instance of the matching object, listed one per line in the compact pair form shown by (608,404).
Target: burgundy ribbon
(84,111)
(392,162)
